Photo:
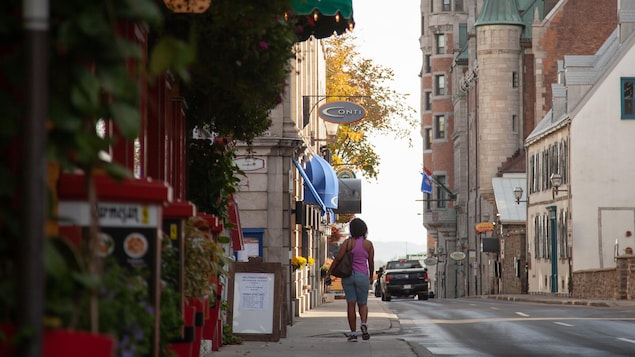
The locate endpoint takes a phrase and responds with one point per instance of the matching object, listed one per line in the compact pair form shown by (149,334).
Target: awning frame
(309,184)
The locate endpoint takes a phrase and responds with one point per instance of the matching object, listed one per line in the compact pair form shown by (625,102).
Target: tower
(499,55)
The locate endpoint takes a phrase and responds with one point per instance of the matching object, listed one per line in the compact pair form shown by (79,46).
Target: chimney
(625,18)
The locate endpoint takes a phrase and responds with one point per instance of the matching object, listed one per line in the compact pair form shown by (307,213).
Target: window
(628,105)
(458,5)
(440,39)
(423,27)
(515,123)
(440,191)
(446,5)
(428,64)
(428,101)
(563,248)
(427,138)
(431,6)
(514,79)
(440,84)
(439,127)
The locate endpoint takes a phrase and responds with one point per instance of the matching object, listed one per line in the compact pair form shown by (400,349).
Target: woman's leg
(350,313)
(363,312)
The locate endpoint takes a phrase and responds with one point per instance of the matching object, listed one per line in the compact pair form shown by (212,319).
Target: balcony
(439,217)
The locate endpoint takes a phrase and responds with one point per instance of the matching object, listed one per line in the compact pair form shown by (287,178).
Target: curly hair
(358,228)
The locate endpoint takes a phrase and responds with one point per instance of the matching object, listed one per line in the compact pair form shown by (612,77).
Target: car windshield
(406,264)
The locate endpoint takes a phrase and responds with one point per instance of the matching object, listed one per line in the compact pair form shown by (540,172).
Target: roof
(510,212)
(499,12)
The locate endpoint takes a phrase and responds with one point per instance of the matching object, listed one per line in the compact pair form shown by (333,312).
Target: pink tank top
(360,256)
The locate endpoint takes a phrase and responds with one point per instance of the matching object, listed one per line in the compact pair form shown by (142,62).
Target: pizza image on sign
(135,245)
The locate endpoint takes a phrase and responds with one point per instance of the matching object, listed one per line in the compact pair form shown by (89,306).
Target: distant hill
(386,251)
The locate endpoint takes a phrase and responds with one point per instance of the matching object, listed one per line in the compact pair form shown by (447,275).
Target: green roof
(325,7)
(499,12)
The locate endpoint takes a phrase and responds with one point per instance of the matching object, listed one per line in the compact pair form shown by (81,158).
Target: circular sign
(105,245)
(135,245)
(457,255)
(345,173)
(430,261)
(342,112)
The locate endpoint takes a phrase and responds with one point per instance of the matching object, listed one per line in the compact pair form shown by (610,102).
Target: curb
(552,301)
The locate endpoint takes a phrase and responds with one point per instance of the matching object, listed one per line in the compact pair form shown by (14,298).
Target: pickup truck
(404,278)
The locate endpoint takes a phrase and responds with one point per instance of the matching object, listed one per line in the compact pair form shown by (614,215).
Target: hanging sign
(457,255)
(342,112)
(484,227)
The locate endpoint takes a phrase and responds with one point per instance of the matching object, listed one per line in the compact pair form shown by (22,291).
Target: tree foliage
(350,75)
(241,66)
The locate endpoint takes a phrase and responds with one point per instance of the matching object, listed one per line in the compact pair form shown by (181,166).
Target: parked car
(404,278)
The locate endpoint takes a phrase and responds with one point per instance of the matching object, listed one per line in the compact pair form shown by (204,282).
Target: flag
(426,182)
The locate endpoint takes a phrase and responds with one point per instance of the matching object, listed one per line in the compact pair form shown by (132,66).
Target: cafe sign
(342,112)
(484,227)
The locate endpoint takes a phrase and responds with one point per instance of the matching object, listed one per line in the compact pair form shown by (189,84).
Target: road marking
(627,340)
(494,308)
(563,324)
(521,314)
(512,319)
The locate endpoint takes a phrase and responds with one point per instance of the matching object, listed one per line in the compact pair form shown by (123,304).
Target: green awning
(322,18)
(325,7)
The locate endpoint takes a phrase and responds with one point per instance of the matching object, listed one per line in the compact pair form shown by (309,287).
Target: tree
(350,75)
(241,66)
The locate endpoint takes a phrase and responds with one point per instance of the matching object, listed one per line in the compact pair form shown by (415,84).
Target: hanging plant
(242,64)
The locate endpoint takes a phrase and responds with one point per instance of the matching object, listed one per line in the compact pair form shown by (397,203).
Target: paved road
(486,327)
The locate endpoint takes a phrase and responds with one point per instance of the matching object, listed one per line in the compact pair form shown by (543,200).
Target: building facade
(485,68)
(585,220)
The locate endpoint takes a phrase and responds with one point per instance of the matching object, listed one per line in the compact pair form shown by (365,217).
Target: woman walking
(357,285)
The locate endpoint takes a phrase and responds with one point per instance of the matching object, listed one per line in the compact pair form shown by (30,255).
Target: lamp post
(518,194)
(556,181)
(554,249)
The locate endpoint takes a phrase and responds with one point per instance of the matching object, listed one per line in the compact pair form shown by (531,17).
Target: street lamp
(518,194)
(556,181)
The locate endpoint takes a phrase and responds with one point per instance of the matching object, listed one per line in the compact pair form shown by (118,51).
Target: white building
(586,138)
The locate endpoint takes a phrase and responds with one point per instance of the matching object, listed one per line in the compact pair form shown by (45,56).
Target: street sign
(430,261)
(457,255)
(345,173)
(484,227)
(342,112)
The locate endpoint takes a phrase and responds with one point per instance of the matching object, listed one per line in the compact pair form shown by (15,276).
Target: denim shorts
(356,287)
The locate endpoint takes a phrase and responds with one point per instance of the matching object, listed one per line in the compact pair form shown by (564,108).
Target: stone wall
(612,283)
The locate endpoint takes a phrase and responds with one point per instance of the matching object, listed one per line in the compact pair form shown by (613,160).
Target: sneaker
(365,334)
(352,338)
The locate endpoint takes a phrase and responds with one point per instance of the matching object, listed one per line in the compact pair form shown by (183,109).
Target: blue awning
(315,197)
(324,180)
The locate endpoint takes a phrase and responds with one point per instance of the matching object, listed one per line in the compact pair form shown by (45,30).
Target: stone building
(485,68)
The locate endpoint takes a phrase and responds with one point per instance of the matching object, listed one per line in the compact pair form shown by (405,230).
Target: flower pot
(70,343)
(202,313)
(7,345)
(183,348)
(59,342)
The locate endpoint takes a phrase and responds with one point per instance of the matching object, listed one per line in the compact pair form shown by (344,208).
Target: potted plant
(298,262)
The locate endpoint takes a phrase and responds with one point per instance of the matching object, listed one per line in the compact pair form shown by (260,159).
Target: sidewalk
(322,331)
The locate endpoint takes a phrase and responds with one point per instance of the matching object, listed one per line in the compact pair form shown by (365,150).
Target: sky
(391,206)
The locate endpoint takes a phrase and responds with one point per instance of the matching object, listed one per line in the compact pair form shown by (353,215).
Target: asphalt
(322,331)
